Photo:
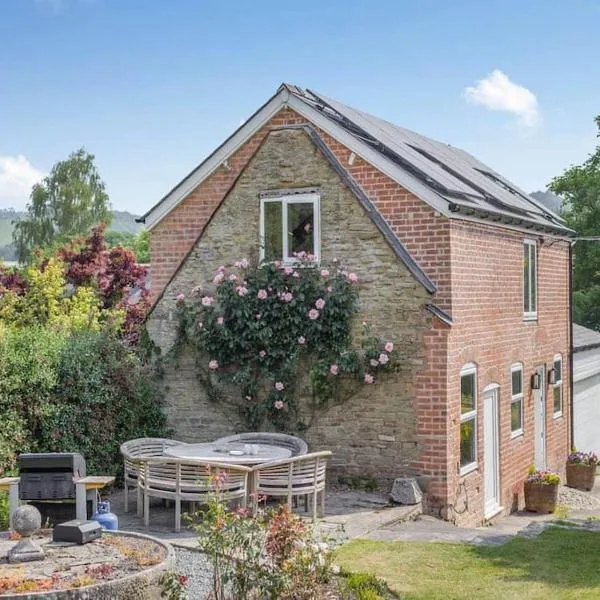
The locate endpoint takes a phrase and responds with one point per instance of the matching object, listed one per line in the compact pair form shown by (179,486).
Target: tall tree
(69,202)
(579,186)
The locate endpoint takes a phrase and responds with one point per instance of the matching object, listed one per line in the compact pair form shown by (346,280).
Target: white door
(539,400)
(491,450)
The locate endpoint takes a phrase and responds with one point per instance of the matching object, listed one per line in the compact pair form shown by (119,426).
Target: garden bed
(117,565)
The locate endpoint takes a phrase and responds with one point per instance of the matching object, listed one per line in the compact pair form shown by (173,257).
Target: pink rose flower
(313,314)
(287,297)
(207,301)
(220,320)
(302,340)
(333,369)
(180,297)
(279,404)
(213,364)
(384,358)
(233,277)
(196,290)
(262,353)
(258,315)
(288,270)
(277,263)
(374,363)
(324,273)
(389,347)
(329,289)
(311,257)
(262,294)
(244,263)
(241,290)
(320,303)
(352,277)
(221,268)
(369,379)
(218,278)
(295,274)
(279,386)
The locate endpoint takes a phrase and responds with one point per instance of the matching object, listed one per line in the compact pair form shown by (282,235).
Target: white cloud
(17,177)
(498,92)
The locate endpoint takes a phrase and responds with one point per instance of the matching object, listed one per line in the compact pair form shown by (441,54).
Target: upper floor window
(516,400)
(289,225)
(557,390)
(468,418)
(530,279)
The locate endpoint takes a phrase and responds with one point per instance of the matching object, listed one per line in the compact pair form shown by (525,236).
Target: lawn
(558,564)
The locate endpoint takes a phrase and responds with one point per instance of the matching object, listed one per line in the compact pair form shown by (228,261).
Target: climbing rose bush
(261,328)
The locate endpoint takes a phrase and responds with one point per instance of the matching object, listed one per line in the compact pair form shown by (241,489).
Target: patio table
(228,453)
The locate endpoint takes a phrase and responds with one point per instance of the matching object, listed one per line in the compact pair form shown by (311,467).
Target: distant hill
(552,201)
(122,221)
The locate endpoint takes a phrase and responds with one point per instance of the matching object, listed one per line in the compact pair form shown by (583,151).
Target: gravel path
(195,566)
(577,499)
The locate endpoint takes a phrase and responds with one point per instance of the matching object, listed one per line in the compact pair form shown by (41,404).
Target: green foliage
(271,329)
(67,203)
(173,586)
(85,392)
(579,187)
(365,586)
(139,243)
(355,482)
(270,556)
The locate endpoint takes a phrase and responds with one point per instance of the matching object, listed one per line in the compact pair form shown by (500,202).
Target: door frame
(539,421)
(491,454)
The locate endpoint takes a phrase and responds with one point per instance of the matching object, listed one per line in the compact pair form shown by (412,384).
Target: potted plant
(581,469)
(541,491)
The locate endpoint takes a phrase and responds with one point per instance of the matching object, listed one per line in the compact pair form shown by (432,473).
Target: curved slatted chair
(189,481)
(296,445)
(292,477)
(140,448)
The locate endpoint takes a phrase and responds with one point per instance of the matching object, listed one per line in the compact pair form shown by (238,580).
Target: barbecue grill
(47,482)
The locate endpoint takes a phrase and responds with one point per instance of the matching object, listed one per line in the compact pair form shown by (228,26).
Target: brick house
(465,272)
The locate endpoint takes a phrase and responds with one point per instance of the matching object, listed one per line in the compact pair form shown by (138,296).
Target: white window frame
(531,315)
(468,369)
(517,367)
(558,384)
(286,200)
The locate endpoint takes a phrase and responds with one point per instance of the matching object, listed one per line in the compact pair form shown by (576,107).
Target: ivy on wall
(265,330)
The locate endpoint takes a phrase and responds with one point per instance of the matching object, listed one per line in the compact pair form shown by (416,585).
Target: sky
(151,87)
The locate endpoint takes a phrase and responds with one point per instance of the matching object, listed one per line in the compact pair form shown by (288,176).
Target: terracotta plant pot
(540,498)
(581,476)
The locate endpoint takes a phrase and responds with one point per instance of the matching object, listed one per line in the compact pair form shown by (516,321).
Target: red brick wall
(489,330)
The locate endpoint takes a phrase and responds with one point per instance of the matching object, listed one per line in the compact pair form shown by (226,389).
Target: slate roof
(584,338)
(451,179)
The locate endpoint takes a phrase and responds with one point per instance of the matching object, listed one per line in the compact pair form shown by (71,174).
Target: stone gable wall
(375,433)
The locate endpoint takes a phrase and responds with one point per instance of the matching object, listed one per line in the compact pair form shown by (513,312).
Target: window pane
(517,382)
(533,267)
(467,393)
(467,442)
(558,398)
(558,369)
(516,421)
(300,228)
(526,305)
(273,231)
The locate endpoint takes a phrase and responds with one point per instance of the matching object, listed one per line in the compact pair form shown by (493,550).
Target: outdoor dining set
(252,465)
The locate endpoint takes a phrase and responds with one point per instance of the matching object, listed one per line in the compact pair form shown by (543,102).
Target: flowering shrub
(589,459)
(542,477)
(270,555)
(261,328)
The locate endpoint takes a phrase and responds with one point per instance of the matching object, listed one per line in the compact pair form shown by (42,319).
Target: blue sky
(152,86)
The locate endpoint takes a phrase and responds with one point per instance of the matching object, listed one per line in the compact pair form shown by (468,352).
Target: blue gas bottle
(103,515)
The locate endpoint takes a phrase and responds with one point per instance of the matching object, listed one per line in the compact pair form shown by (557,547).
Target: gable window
(468,418)
(530,279)
(557,390)
(289,225)
(516,400)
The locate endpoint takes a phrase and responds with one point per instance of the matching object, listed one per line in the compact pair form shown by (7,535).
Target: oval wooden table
(229,453)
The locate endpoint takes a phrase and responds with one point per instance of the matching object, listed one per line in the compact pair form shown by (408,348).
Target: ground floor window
(557,389)
(468,418)
(516,400)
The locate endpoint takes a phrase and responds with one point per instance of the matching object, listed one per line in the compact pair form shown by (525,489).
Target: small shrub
(174,586)
(365,586)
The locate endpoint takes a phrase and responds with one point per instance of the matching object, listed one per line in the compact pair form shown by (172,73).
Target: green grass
(559,564)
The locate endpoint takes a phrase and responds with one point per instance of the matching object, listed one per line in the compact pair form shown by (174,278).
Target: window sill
(530,317)
(468,469)
(557,415)
(517,434)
